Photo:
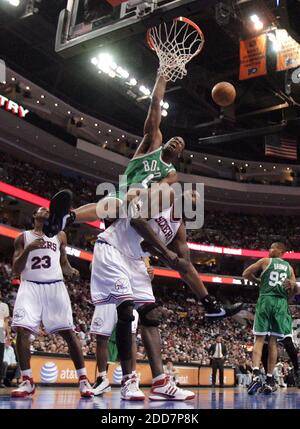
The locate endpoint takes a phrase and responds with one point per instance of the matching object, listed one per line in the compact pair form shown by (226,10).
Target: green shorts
(113,354)
(272,317)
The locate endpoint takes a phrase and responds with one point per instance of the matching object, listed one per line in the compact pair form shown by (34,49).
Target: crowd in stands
(229,229)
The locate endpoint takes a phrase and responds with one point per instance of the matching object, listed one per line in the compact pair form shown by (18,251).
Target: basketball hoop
(175,45)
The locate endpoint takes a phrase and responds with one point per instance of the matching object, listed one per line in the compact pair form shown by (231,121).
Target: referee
(218,354)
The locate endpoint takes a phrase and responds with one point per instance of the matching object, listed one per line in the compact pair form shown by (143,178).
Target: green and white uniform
(272,314)
(142,171)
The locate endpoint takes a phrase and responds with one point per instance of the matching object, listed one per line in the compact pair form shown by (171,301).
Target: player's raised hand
(36,244)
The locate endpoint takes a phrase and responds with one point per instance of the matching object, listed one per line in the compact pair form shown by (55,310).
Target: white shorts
(43,302)
(105,319)
(116,278)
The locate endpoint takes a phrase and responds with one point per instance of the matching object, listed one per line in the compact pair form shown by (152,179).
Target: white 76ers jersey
(43,265)
(124,237)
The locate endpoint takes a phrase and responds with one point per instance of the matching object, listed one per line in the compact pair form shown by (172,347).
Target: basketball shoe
(101,386)
(214,310)
(26,388)
(166,390)
(85,388)
(254,386)
(60,214)
(130,390)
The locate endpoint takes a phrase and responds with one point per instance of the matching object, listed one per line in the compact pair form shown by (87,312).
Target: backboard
(87,24)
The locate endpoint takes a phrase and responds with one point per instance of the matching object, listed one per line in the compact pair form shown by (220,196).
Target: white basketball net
(175,45)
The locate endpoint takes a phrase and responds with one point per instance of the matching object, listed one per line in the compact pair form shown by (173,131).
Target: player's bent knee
(149,315)
(125,312)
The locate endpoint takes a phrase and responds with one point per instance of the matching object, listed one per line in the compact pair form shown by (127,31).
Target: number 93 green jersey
(273,277)
(272,314)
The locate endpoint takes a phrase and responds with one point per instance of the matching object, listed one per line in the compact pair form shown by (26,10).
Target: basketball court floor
(206,398)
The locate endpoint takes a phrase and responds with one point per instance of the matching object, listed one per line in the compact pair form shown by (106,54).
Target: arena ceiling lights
(14,3)
(105,63)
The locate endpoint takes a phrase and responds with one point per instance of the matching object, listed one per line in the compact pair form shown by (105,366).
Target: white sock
(159,377)
(80,372)
(126,376)
(269,375)
(134,373)
(27,373)
(103,374)
(256,368)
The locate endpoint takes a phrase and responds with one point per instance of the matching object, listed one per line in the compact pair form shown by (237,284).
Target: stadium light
(258,25)
(144,90)
(14,3)
(123,73)
(133,81)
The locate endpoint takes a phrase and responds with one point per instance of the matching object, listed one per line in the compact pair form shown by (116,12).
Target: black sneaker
(59,215)
(267,389)
(214,310)
(254,386)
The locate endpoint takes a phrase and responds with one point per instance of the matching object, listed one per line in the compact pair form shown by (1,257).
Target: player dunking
(272,314)
(151,163)
(43,297)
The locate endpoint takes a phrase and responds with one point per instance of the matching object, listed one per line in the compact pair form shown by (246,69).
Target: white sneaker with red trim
(85,388)
(130,390)
(26,389)
(166,390)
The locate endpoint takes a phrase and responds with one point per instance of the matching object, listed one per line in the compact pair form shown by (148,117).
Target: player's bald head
(277,249)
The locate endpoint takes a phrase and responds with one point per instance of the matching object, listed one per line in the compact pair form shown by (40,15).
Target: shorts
(272,317)
(105,319)
(116,278)
(43,302)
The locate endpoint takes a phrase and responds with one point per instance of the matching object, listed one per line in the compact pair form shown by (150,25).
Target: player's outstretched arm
(152,135)
(67,269)
(252,270)
(21,254)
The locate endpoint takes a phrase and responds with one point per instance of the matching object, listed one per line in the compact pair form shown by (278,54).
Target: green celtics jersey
(146,169)
(273,276)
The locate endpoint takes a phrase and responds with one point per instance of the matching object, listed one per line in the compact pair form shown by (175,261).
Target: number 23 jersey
(43,265)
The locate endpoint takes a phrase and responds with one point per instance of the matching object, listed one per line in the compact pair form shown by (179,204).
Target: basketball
(223,94)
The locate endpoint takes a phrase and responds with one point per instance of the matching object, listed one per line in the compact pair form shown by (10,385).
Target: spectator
(10,367)
(140,354)
(171,371)
(218,353)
